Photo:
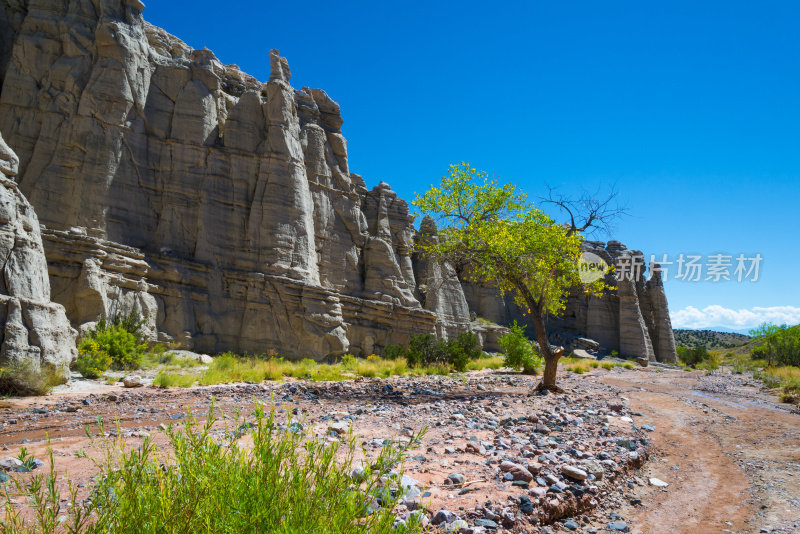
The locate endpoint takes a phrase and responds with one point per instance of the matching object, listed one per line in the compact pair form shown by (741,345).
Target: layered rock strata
(35,336)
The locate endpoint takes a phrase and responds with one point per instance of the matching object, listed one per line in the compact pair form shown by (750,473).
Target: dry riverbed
(497,459)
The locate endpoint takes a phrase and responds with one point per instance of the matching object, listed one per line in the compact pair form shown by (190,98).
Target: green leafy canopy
(496,235)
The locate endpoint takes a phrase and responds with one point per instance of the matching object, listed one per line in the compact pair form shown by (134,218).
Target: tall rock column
(634,338)
(281,221)
(439,284)
(660,324)
(35,334)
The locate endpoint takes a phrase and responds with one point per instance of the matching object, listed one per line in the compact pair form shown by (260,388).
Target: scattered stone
(657,482)
(573,472)
(132,381)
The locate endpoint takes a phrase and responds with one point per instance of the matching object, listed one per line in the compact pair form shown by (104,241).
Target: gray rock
(443,516)
(456,479)
(457,525)
(132,381)
(516,471)
(573,472)
(35,331)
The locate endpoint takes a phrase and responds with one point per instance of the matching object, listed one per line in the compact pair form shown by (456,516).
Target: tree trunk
(551,358)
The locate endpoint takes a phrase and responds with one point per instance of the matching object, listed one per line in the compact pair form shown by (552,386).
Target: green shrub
(692,356)
(92,360)
(519,351)
(425,350)
(462,350)
(125,349)
(287,481)
(393,352)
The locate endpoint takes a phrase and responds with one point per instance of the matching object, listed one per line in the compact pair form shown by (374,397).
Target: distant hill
(710,339)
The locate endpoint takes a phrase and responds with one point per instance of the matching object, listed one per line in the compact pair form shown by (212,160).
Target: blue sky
(689,109)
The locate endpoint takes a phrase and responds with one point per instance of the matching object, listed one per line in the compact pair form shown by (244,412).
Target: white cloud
(715,315)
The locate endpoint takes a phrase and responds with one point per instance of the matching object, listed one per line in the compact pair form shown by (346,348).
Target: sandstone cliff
(35,334)
(221,207)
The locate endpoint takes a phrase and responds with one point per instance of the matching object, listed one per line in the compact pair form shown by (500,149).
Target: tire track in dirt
(721,454)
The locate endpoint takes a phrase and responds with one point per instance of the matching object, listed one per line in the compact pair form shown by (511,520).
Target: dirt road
(729,451)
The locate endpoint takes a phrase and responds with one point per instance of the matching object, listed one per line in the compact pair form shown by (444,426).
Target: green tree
(780,345)
(497,236)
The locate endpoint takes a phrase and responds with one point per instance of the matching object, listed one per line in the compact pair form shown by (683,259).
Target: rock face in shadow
(35,335)
(220,207)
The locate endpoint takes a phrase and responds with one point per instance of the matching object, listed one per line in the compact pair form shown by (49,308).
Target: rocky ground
(723,455)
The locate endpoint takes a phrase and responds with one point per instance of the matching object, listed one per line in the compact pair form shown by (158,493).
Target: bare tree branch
(590,213)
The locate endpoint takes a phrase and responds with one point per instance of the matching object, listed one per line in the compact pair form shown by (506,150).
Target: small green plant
(519,351)
(92,359)
(28,462)
(614,354)
(287,481)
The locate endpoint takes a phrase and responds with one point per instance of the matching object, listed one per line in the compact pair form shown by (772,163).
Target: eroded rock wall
(220,207)
(35,335)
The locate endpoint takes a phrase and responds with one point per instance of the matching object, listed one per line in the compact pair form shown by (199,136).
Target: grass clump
(520,352)
(487,362)
(287,482)
(165,379)
(25,378)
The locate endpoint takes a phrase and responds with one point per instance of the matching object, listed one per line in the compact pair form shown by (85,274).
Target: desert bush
(392,352)
(92,359)
(462,350)
(287,481)
(692,356)
(520,352)
(24,379)
(425,350)
(125,349)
